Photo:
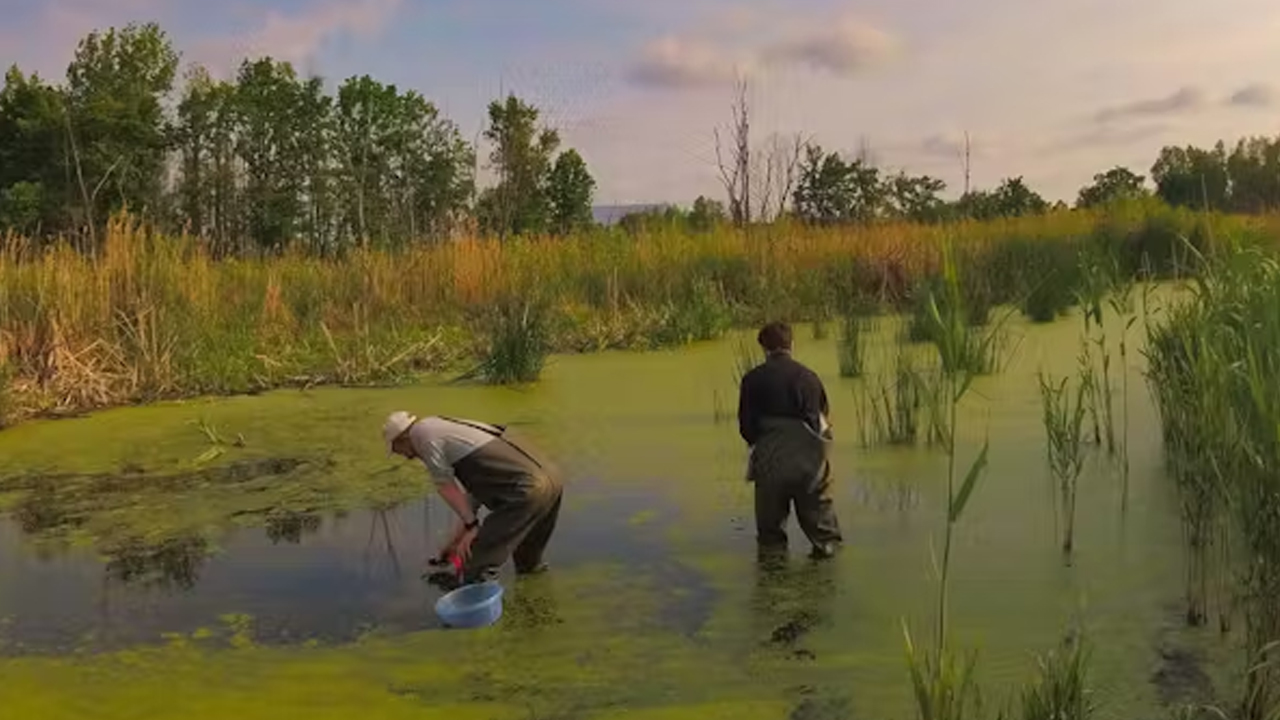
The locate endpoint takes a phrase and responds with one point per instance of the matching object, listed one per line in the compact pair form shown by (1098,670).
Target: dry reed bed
(149,316)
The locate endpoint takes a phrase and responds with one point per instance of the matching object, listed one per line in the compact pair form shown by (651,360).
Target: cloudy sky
(1053,91)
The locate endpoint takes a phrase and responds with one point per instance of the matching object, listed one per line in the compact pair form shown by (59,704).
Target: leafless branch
(735,169)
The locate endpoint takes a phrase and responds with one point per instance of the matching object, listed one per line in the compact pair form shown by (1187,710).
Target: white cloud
(671,62)
(298,37)
(847,47)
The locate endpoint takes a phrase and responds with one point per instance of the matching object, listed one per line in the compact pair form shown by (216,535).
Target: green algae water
(253,556)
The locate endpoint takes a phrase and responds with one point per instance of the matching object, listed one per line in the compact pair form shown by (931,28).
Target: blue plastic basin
(471,606)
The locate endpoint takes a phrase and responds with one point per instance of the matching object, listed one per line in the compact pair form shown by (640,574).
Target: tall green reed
(944,688)
(1063,421)
(1215,372)
(889,405)
(746,355)
(851,346)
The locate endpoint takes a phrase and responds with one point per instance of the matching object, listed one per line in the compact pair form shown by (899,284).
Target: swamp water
(249,556)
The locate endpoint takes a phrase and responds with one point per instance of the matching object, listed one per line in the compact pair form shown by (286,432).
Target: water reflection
(791,598)
(300,574)
(42,510)
(288,526)
(380,517)
(166,564)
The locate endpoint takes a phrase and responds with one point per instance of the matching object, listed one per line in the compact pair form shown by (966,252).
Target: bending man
(782,416)
(473,464)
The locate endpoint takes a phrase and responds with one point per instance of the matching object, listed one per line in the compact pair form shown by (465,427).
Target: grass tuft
(1060,689)
(518,343)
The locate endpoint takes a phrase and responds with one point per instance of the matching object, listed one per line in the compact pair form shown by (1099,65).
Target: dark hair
(775,336)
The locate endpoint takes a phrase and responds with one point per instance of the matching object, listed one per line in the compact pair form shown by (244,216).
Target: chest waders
(523,500)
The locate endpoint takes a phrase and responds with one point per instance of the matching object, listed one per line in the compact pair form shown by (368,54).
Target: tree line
(832,189)
(796,178)
(266,158)
(269,158)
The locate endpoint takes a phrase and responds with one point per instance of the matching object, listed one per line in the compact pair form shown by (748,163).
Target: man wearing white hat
(474,464)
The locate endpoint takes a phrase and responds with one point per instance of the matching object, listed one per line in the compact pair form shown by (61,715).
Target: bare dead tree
(966,162)
(780,167)
(735,163)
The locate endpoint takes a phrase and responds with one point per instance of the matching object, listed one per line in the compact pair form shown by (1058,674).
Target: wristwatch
(475,523)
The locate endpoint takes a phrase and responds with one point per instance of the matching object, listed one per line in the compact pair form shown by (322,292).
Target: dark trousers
(811,495)
(521,519)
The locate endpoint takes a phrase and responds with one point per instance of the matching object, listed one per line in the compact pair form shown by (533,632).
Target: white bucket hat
(395,426)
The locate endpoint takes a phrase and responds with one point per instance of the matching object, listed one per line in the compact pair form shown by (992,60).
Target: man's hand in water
(462,545)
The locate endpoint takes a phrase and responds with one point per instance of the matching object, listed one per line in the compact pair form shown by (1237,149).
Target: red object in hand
(456,561)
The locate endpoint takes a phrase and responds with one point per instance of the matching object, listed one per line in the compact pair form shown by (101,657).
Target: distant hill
(610,214)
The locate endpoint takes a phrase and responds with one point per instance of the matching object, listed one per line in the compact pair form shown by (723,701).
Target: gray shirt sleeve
(430,449)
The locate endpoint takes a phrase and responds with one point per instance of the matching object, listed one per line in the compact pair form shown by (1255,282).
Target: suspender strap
(501,431)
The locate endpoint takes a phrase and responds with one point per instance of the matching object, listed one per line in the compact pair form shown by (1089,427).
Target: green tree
(1014,199)
(406,170)
(116,86)
(1253,171)
(570,188)
(267,104)
(831,190)
(917,199)
(203,155)
(366,135)
(1191,176)
(1118,183)
(706,214)
(33,185)
(521,155)
(313,149)
(439,164)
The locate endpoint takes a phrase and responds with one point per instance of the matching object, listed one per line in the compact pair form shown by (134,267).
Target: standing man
(473,464)
(782,416)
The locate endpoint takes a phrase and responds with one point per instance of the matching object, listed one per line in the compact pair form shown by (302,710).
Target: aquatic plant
(1215,374)
(1063,420)
(1060,688)
(518,343)
(851,345)
(746,355)
(889,410)
(944,688)
(963,349)
(1185,380)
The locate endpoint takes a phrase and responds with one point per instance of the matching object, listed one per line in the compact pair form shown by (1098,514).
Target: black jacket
(780,387)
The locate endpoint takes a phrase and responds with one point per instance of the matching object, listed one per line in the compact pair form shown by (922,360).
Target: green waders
(523,500)
(789,466)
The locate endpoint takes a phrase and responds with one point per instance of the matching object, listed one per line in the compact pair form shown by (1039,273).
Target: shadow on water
(305,574)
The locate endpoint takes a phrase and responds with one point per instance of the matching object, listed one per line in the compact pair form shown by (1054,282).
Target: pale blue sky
(1051,91)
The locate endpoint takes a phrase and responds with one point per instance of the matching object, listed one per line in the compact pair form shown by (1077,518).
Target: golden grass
(155,316)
